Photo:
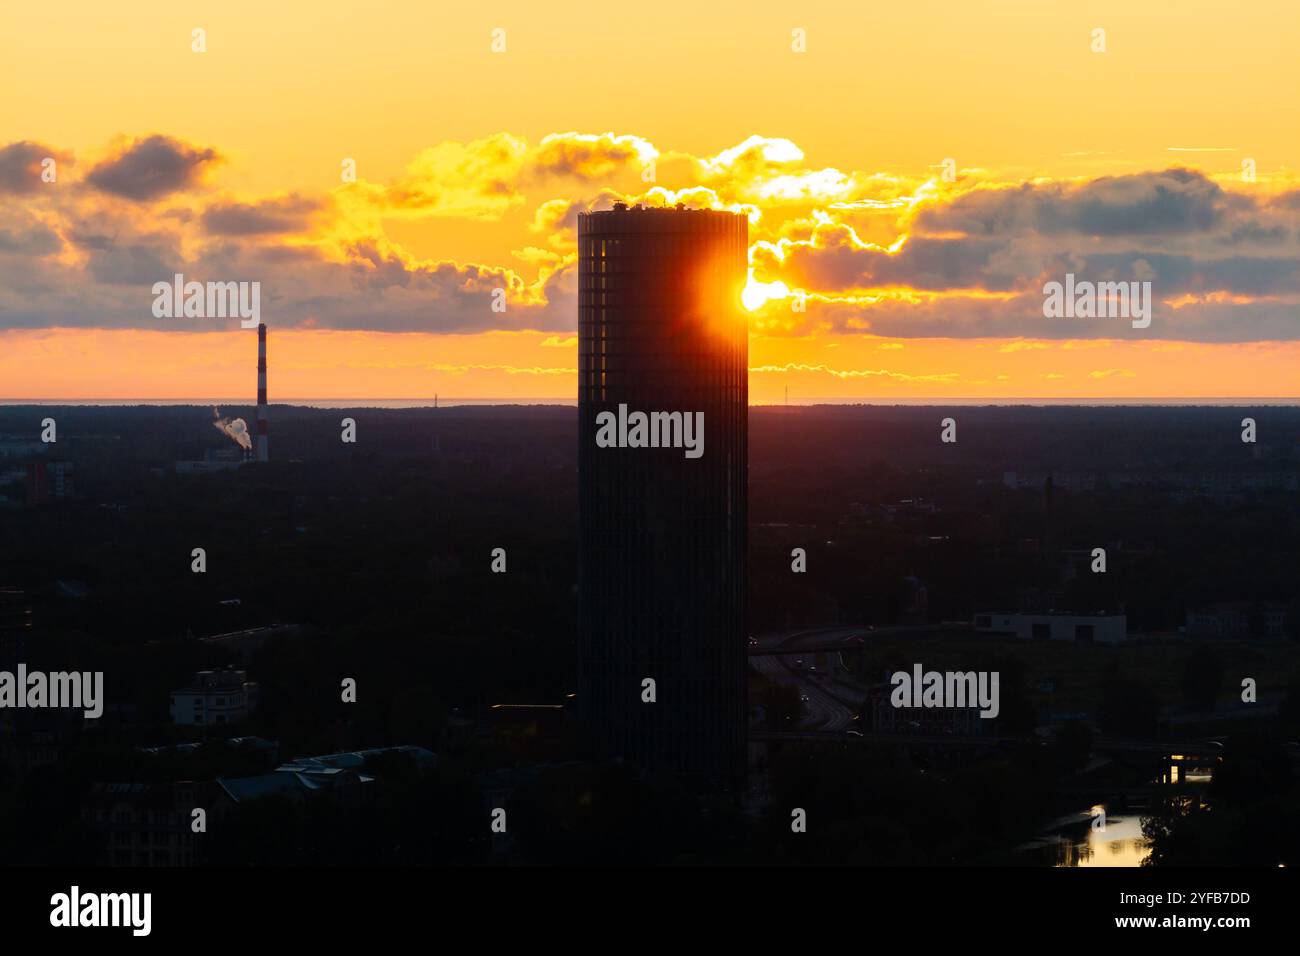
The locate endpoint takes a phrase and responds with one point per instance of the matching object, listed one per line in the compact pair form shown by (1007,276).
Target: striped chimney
(262,451)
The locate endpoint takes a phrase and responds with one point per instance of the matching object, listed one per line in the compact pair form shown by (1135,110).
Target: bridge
(846,638)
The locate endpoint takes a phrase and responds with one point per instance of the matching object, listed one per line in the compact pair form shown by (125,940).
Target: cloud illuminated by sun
(757,294)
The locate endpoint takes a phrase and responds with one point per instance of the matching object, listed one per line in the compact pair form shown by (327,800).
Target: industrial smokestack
(263,453)
(234,429)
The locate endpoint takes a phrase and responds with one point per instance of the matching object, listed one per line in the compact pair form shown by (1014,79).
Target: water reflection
(1175,785)
(1121,843)
(1074,842)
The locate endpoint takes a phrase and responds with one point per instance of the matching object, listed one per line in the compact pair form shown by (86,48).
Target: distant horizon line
(453,402)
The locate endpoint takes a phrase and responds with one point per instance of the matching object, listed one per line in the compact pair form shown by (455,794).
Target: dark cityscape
(374,563)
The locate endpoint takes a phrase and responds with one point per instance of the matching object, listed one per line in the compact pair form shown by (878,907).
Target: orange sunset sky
(478,131)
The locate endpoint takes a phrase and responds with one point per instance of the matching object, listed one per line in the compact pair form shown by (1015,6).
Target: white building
(1053,626)
(215,697)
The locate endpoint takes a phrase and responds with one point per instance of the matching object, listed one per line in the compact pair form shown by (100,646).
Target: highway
(826,717)
(822,711)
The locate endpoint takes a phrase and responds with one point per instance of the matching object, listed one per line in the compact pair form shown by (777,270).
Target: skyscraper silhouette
(663,535)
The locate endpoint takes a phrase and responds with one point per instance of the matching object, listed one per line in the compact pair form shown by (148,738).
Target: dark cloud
(1173,275)
(1177,229)
(91,240)
(132,264)
(1022,317)
(837,264)
(373,289)
(20,166)
(151,168)
(1008,265)
(37,239)
(268,217)
(1173,201)
(585,158)
(1288,200)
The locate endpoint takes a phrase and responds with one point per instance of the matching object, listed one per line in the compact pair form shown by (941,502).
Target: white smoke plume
(236,429)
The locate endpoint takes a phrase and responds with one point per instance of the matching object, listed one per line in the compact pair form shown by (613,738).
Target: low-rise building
(1056,626)
(215,697)
(214,460)
(145,824)
(344,778)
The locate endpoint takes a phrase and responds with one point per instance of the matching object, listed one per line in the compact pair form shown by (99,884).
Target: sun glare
(757,294)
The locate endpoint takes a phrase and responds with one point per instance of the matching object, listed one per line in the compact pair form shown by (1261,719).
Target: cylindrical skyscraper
(263,453)
(663,478)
